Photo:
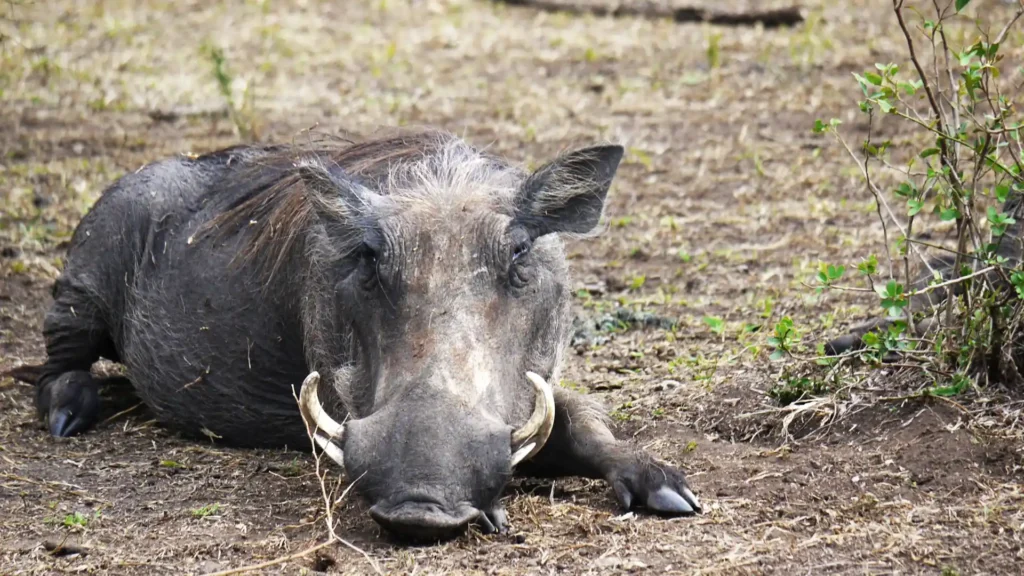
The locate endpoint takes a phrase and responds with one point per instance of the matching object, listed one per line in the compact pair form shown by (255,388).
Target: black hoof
(662,490)
(71,403)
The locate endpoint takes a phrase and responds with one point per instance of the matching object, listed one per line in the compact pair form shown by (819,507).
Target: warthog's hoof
(660,489)
(71,403)
(494,521)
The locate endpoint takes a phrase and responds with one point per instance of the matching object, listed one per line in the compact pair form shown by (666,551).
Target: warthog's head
(439,276)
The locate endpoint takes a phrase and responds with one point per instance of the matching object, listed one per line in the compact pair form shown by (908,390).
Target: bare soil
(724,206)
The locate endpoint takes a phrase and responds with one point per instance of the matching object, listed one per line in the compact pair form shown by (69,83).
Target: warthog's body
(419,277)
(924,304)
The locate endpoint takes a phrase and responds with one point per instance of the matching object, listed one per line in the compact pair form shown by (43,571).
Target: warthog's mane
(270,201)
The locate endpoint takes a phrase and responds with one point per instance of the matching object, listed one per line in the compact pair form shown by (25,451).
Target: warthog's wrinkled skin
(420,277)
(923,306)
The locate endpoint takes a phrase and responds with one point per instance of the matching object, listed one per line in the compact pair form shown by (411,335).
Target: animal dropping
(414,288)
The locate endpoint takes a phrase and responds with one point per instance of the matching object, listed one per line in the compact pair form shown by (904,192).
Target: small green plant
(621,413)
(792,388)
(637,282)
(242,114)
(704,367)
(828,275)
(717,325)
(575,386)
(292,469)
(784,338)
(208,510)
(76,520)
(960,384)
(714,51)
(638,156)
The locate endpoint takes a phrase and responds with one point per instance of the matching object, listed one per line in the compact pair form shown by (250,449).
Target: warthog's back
(208,347)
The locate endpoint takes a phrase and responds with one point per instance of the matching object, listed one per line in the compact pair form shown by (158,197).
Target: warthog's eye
(518,271)
(369,256)
(520,250)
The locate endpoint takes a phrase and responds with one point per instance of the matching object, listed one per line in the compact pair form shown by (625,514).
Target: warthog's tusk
(324,429)
(530,438)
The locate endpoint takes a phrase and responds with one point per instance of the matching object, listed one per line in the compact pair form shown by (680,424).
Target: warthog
(422,281)
(924,303)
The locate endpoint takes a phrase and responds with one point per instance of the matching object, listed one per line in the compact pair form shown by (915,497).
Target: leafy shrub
(952,312)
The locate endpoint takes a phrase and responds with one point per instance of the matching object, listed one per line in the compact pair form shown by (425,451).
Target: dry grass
(722,169)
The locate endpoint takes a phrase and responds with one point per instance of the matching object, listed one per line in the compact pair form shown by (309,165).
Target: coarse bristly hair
(276,193)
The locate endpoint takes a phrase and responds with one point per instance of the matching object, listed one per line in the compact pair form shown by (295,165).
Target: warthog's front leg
(581,444)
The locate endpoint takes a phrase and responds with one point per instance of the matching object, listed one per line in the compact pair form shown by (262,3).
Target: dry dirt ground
(725,204)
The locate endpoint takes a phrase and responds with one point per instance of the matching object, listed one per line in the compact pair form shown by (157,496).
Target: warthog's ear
(334,192)
(567,194)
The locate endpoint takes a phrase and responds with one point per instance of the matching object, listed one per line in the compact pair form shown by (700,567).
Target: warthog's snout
(424,519)
(428,464)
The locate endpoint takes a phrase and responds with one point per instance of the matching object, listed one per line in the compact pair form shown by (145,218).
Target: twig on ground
(275,561)
(119,414)
(923,394)
(329,520)
(62,548)
(55,486)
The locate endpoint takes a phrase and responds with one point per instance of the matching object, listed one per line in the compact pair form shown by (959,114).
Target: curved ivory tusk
(331,449)
(324,429)
(530,438)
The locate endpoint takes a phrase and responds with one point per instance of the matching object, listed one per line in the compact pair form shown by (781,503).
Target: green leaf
(905,189)
(716,324)
(893,298)
(869,266)
(819,126)
(1017,278)
(961,4)
(948,214)
(999,221)
(914,206)
(1002,192)
(873,78)
(929,152)
(863,85)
